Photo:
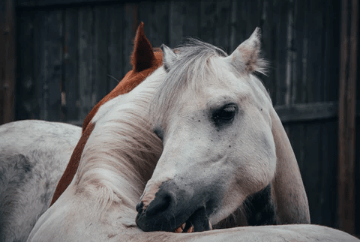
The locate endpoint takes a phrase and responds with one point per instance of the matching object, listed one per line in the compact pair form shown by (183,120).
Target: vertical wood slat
(7,61)
(291,74)
(49,69)
(207,21)
(176,23)
(144,9)
(329,169)
(54,54)
(115,44)
(357,174)
(26,88)
(267,45)
(39,72)
(100,56)
(357,148)
(192,19)
(70,90)
(315,53)
(329,129)
(3,11)
(347,107)
(129,29)
(183,21)
(331,58)
(159,28)
(301,40)
(312,168)
(313,132)
(281,57)
(223,18)
(86,39)
(298,131)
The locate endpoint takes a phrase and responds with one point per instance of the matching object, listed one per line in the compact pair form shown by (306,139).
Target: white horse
(223,142)
(117,160)
(33,156)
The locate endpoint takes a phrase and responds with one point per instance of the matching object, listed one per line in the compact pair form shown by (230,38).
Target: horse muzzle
(174,210)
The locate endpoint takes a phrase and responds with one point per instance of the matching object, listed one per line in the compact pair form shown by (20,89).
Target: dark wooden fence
(70,53)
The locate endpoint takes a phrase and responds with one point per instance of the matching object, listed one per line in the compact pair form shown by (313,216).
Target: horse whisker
(117,81)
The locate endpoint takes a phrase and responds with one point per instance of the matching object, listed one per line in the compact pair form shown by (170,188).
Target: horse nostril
(139,207)
(159,204)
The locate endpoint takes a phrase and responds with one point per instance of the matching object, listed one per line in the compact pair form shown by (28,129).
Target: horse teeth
(191,229)
(178,230)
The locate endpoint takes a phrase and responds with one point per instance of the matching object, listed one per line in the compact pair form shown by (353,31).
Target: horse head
(223,143)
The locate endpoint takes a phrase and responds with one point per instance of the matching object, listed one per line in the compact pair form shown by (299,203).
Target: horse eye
(225,114)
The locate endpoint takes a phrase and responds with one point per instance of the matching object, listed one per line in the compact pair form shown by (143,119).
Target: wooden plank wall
(7,61)
(347,115)
(70,54)
(357,142)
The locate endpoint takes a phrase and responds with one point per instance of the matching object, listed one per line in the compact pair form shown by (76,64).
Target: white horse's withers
(33,156)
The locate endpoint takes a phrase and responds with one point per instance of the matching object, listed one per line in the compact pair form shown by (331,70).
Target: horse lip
(198,221)
(194,224)
(195,211)
(139,207)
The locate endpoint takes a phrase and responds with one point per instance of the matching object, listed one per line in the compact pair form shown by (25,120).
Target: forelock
(192,65)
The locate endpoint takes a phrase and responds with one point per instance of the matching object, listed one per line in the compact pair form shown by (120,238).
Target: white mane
(122,150)
(193,64)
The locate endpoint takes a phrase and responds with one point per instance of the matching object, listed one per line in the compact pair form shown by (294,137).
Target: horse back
(33,155)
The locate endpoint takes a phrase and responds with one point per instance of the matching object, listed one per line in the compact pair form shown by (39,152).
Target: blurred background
(58,58)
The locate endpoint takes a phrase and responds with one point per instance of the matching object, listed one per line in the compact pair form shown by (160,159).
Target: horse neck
(288,189)
(121,152)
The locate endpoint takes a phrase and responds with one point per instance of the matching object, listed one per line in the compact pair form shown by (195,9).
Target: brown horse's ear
(287,187)
(143,55)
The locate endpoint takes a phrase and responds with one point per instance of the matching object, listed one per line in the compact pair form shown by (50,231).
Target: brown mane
(144,61)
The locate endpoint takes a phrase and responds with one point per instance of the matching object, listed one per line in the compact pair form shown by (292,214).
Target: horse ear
(143,55)
(246,57)
(169,57)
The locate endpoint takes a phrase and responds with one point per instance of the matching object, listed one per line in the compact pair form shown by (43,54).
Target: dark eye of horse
(225,114)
